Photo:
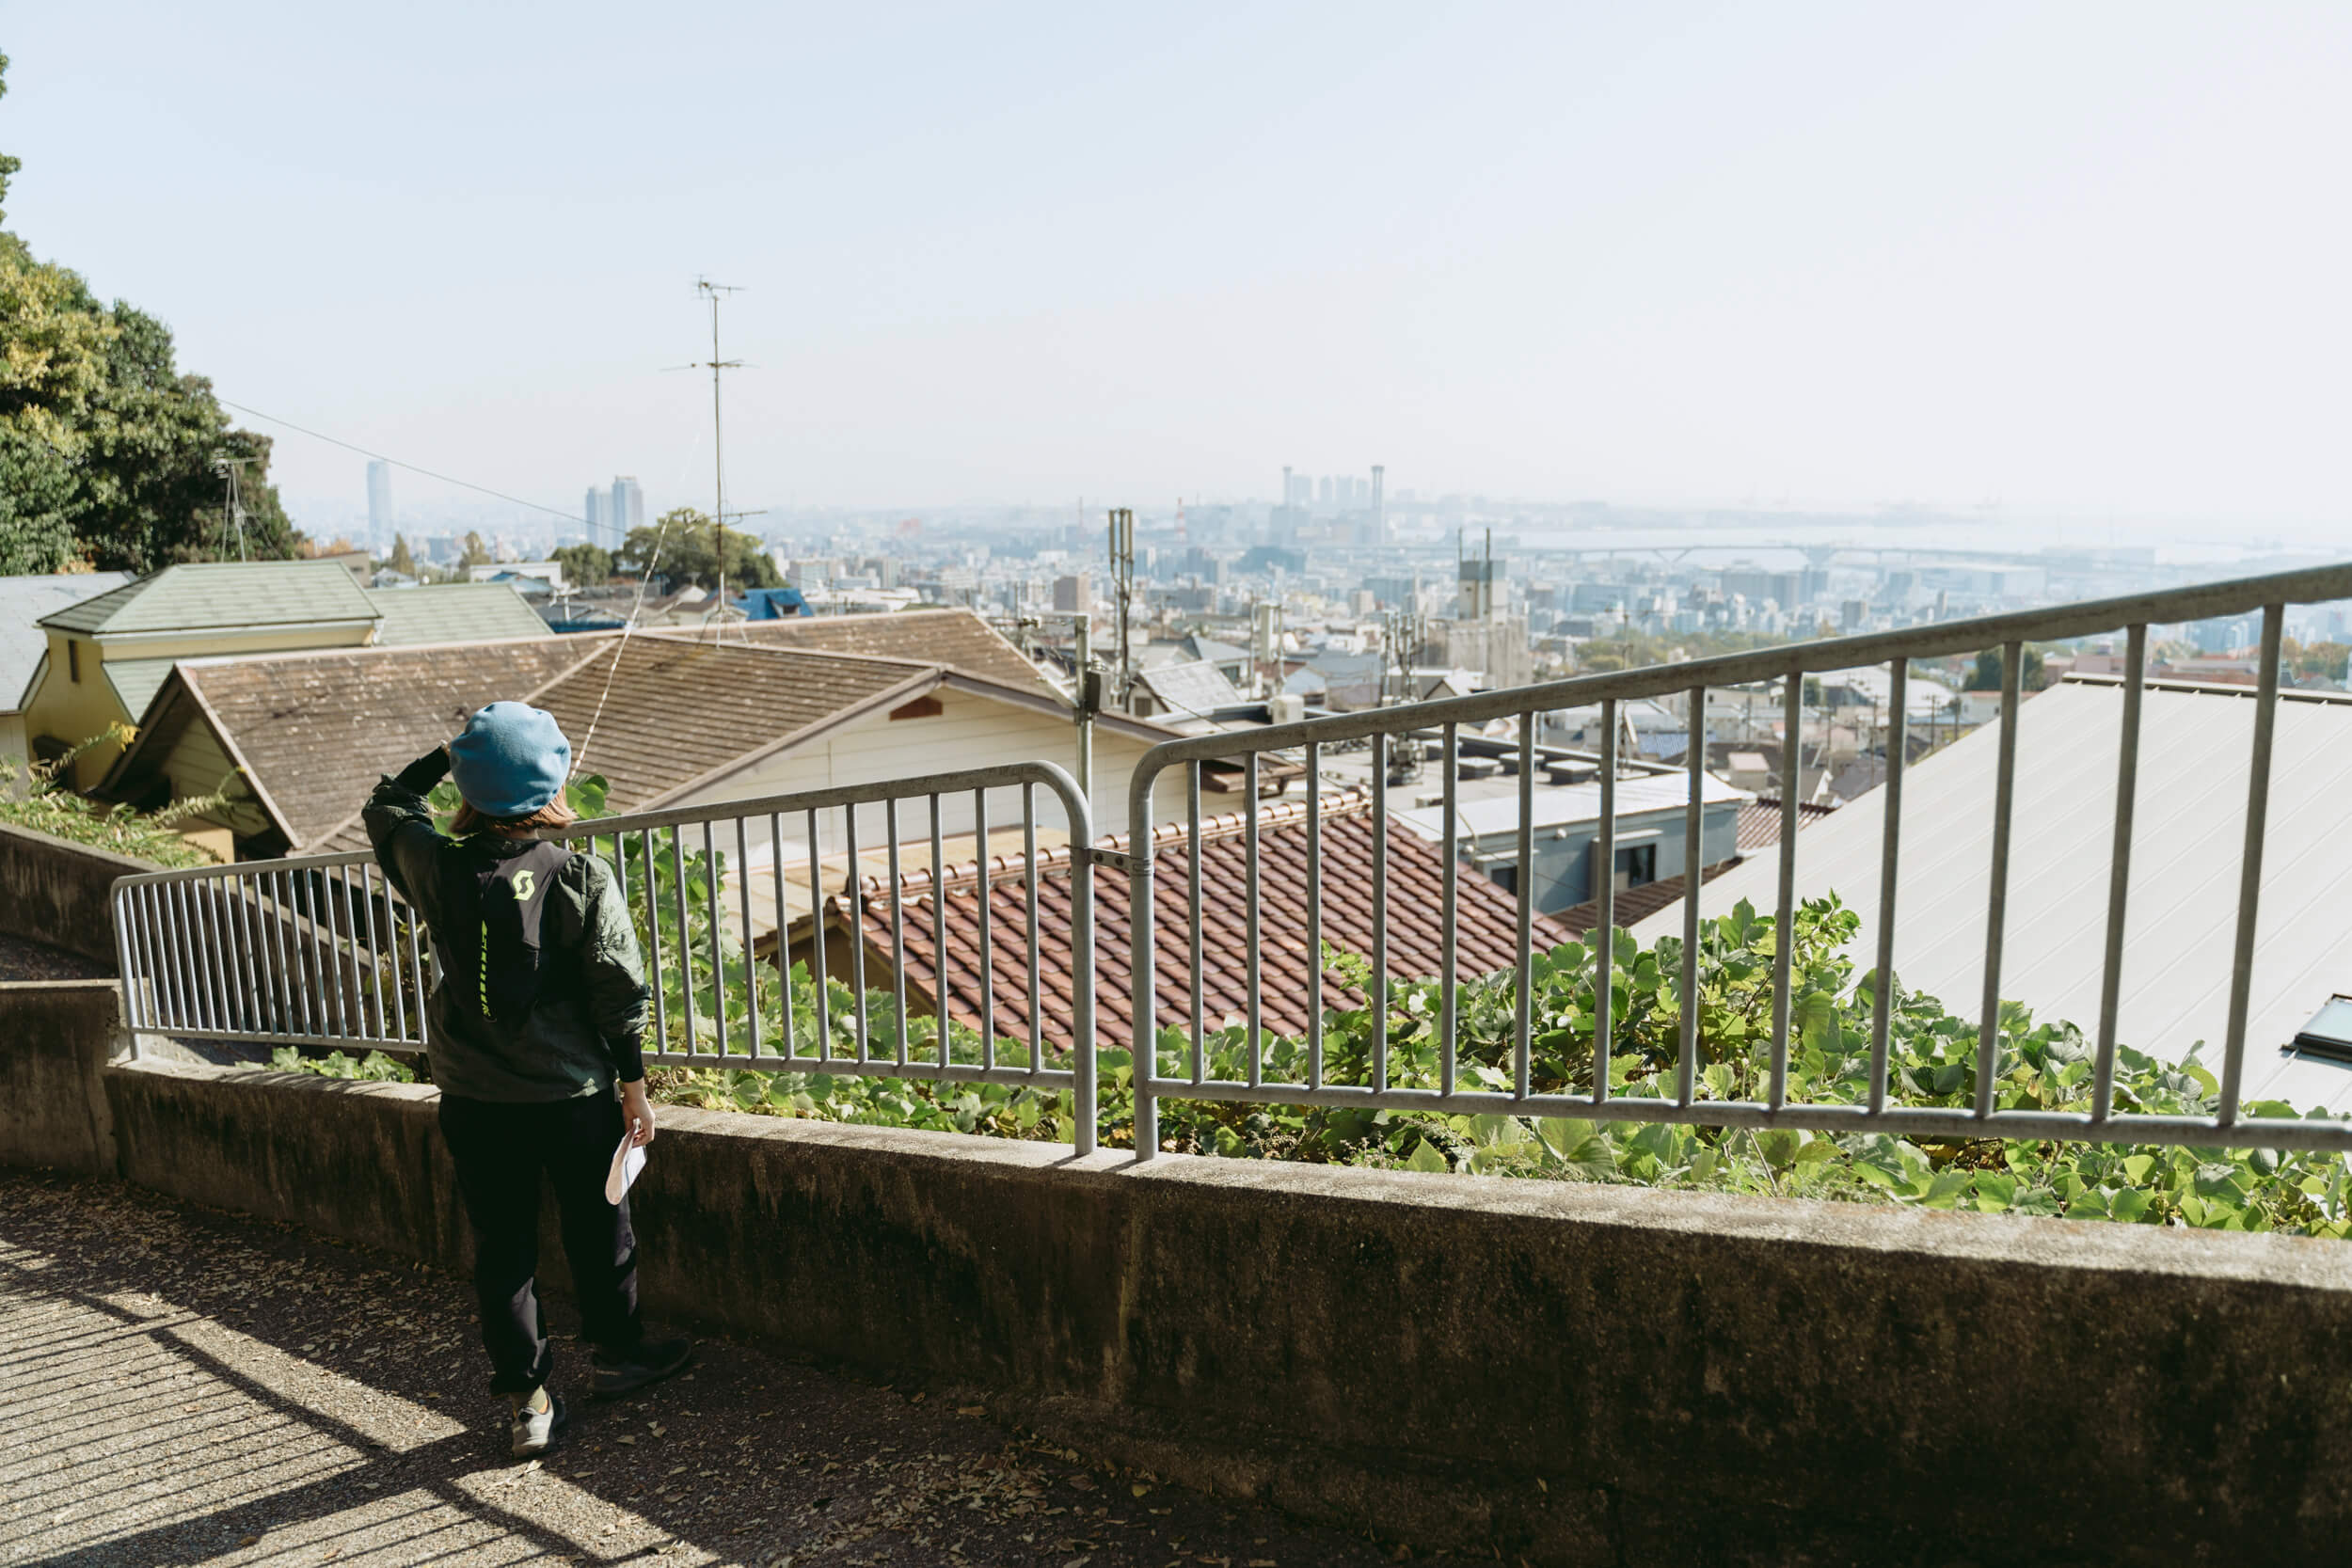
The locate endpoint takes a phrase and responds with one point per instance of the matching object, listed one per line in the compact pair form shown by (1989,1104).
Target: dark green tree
(584,565)
(684,549)
(402,560)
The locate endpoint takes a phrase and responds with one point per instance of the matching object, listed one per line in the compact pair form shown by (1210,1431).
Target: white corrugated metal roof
(1560,804)
(23,601)
(2188,827)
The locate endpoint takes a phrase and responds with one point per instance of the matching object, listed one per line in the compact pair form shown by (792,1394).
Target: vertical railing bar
(1381,752)
(1693,852)
(1192,878)
(784,935)
(684,939)
(391,951)
(185,1008)
(817,902)
(421,973)
(1605,901)
(132,959)
(988,950)
(233,972)
(207,897)
(322,946)
(715,901)
(1314,915)
(751,938)
(372,991)
(898,927)
(939,925)
(2119,870)
(307,894)
(1523,883)
(1997,904)
(1251,964)
(2250,866)
(143,990)
(653,941)
(168,953)
(1890,865)
(1785,909)
(856,891)
(249,964)
(284,1005)
(1028,877)
(1449,976)
(338,925)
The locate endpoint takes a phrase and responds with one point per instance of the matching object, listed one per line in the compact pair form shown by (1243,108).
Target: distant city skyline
(2076,259)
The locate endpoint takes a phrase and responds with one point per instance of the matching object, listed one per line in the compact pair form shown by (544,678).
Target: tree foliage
(107,452)
(683,549)
(586,565)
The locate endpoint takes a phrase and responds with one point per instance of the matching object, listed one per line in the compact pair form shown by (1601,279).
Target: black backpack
(498,940)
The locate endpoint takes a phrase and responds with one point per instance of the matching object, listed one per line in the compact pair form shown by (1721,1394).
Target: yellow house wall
(69,710)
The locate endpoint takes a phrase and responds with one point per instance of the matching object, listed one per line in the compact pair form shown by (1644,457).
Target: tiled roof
(23,602)
(1196,686)
(679,708)
(316,729)
(1634,905)
(457,612)
(216,595)
(136,681)
(1487,923)
(958,638)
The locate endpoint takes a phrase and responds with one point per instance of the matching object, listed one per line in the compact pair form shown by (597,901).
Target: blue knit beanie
(511,761)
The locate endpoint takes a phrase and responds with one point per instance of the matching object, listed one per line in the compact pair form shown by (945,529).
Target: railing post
(1144,1042)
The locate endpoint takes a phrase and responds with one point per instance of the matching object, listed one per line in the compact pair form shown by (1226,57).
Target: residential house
(24,646)
(2187,823)
(108,657)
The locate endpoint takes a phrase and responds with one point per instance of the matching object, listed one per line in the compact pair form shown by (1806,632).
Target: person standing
(535,1022)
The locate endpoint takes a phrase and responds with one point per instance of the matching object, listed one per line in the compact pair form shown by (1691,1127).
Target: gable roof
(314,730)
(681,709)
(214,596)
(456,612)
(1487,923)
(1196,686)
(136,681)
(958,638)
(23,602)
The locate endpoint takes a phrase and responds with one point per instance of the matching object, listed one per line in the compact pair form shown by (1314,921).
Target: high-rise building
(380,520)
(1379,508)
(1322,493)
(627,509)
(1072,594)
(592,512)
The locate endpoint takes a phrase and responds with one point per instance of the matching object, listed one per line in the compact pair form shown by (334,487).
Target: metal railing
(1878,1112)
(319,951)
(322,951)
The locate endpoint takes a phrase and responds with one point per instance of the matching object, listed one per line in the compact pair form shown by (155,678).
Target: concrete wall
(1571,1373)
(55,1035)
(55,891)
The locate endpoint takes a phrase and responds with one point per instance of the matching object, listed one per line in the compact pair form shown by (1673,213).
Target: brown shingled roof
(1487,923)
(680,709)
(958,638)
(314,730)
(1759,821)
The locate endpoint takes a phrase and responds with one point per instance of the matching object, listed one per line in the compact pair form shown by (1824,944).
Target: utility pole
(712,292)
(1089,698)
(233,509)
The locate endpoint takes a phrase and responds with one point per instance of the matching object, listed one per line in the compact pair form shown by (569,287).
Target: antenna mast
(1123,584)
(712,292)
(232,510)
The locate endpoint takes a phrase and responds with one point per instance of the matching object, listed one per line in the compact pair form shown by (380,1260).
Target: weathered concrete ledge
(1576,1375)
(54,891)
(55,1035)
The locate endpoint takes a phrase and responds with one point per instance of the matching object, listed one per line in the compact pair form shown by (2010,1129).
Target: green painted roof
(136,681)
(463,612)
(221,596)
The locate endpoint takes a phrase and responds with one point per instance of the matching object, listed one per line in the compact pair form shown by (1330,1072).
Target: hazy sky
(2082,257)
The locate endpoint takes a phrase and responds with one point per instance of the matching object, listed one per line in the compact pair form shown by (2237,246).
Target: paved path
(184,1386)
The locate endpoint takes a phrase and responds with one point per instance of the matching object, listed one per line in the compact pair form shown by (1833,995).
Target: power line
(446,479)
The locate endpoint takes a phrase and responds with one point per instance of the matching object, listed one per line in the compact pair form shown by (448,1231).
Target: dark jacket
(581,1029)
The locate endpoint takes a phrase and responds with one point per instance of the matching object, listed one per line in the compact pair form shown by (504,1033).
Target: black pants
(500,1150)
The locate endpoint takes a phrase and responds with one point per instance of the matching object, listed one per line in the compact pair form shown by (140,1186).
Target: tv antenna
(715,364)
(233,509)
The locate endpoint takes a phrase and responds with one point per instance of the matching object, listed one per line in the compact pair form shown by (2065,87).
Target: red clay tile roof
(958,638)
(1486,925)
(1634,905)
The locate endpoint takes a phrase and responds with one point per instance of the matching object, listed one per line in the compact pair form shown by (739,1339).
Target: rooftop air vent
(2330,1032)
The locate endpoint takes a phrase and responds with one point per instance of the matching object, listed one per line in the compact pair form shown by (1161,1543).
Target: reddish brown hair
(555,814)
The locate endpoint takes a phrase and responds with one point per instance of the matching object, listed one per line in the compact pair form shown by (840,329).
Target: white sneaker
(536,1422)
